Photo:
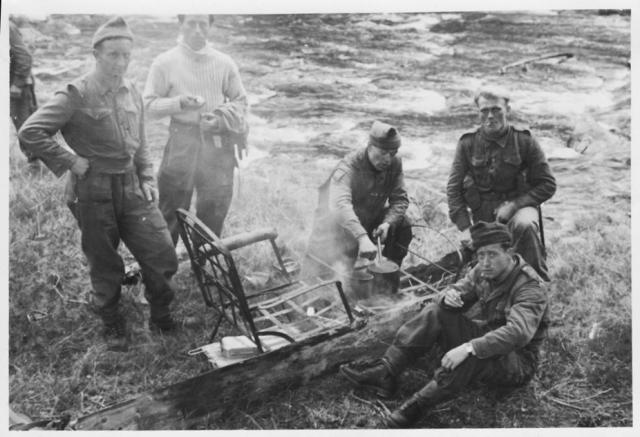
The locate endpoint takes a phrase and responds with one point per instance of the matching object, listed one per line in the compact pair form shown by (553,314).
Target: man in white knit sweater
(200,89)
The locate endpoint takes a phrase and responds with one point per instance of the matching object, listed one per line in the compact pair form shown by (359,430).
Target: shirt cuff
(477,345)
(61,166)
(145,174)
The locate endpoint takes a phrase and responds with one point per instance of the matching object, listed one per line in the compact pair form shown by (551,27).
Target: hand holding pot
(366,249)
(382,231)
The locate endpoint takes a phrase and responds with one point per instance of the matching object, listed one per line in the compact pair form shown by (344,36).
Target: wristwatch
(469,348)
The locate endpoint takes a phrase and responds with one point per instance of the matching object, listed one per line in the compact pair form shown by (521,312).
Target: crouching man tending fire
(364,200)
(498,347)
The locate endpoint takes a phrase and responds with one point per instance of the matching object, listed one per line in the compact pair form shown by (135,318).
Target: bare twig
(537,58)
(566,404)
(558,385)
(311,415)
(364,401)
(383,406)
(254,421)
(620,404)
(63,340)
(78,301)
(100,402)
(58,293)
(594,396)
(346,413)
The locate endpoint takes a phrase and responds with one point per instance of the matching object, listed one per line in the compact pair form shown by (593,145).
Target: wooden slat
(271,318)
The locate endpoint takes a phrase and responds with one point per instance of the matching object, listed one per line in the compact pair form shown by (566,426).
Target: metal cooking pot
(361,282)
(381,277)
(385,273)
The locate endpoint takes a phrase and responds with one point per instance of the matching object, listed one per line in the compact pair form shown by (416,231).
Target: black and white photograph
(344,216)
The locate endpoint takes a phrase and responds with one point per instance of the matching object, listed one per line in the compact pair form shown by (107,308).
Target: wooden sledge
(316,342)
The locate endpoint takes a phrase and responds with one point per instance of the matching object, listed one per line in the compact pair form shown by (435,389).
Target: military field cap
(492,93)
(384,136)
(114,28)
(483,234)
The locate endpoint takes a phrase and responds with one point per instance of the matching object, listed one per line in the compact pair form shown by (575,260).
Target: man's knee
(439,312)
(214,198)
(525,219)
(403,232)
(398,241)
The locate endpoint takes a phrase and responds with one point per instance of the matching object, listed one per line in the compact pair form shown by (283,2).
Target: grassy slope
(59,365)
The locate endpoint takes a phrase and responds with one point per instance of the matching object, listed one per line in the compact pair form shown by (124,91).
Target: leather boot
(163,324)
(115,331)
(376,378)
(410,411)
(160,319)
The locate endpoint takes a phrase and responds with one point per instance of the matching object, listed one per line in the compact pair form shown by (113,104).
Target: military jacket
(104,126)
(513,307)
(512,167)
(355,196)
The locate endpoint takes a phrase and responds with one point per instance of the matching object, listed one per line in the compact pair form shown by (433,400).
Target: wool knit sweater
(207,73)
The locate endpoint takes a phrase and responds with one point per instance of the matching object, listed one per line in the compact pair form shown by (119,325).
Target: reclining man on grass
(500,346)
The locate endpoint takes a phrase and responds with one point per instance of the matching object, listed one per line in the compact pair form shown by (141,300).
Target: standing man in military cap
(364,198)
(200,89)
(499,347)
(501,173)
(100,116)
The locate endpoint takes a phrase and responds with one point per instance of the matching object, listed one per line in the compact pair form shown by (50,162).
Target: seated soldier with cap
(501,173)
(499,346)
(364,198)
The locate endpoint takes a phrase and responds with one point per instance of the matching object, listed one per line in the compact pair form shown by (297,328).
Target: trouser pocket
(94,188)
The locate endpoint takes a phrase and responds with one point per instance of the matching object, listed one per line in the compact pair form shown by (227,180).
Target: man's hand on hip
(149,191)
(80,166)
(366,249)
(382,231)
